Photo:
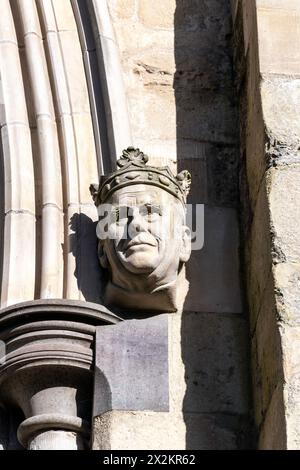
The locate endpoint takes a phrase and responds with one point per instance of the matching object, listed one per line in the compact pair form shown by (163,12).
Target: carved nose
(138,223)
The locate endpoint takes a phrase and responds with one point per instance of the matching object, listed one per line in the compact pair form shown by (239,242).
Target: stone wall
(177,69)
(268,71)
(67,68)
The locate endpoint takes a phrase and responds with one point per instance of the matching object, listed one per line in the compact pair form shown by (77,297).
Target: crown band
(134,170)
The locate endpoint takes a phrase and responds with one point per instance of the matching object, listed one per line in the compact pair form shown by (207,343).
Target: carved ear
(185,251)
(102,256)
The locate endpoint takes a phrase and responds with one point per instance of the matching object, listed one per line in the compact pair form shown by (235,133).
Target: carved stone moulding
(47,371)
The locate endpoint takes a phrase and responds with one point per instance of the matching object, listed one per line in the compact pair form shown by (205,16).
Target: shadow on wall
(83,246)
(214,330)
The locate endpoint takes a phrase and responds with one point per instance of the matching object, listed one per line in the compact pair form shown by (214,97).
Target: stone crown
(133,169)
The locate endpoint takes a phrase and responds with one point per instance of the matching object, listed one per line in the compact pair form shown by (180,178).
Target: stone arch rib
(18,277)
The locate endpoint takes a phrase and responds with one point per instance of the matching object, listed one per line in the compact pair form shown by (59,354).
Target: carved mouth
(140,242)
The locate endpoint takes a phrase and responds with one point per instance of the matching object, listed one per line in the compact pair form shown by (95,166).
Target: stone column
(47,373)
(267,62)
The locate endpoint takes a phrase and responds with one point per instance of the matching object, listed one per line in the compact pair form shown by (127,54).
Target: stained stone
(131,366)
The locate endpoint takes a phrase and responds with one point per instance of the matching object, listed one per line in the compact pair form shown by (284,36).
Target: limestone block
(60,84)
(152,114)
(74,71)
(212,119)
(38,76)
(28,17)
(141,38)
(119,430)
(86,155)
(115,103)
(208,363)
(214,173)
(18,269)
(274,4)
(266,354)
(290,347)
(285,211)
(258,252)
(280,98)
(7,29)
(121,9)
(52,253)
(213,272)
(157,14)
(49,154)
(201,24)
(48,22)
(160,152)
(132,366)
(287,281)
(19,183)
(68,146)
(201,69)
(150,62)
(64,15)
(150,69)
(13,96)
(273,433)
(279,36)
(255,144)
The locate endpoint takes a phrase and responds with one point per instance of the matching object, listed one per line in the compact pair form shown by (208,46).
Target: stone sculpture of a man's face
(143,237)
(146,234)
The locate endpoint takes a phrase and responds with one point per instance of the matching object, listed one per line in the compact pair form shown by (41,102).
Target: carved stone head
(143,239)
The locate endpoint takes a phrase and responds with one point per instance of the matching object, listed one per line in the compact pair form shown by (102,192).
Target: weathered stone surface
(269,92)
(287,281)
(213,119)
(132,366)
(157,14)
(280,98)
(121,430)
(274,4)
(290,346)
(279,36)
(144,106)
(255,141)
(267,356)
(122,9)
(273,432)
(213,271)
(214,169)
(285,211)
(215,358)
(259,255)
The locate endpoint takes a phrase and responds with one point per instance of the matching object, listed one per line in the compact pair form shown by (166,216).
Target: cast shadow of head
(83,244)
(203,84)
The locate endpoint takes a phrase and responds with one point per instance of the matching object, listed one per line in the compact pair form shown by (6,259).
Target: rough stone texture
(177,69)
(213,272)
(215,358)
(131,364)
(267,66)
(121,430)
(182,107)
